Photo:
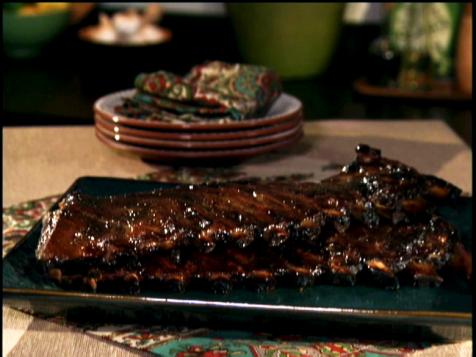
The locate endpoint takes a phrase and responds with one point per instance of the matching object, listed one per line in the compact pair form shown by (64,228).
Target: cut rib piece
(201,216)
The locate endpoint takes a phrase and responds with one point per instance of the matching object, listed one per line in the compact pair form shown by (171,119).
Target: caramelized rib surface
(375,218)
(382,255)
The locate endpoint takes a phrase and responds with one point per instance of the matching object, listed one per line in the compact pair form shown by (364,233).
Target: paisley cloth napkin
(210,91)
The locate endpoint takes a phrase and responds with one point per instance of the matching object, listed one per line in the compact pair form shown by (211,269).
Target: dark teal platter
(445,311)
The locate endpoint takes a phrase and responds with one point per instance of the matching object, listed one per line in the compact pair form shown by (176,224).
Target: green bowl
(25,35)
(295,39)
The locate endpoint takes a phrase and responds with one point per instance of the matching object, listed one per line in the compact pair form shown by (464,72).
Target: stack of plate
(280,127)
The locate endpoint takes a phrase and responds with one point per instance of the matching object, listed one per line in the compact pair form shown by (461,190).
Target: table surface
(43,161)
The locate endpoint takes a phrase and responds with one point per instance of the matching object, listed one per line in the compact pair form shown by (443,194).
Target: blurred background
(343,60)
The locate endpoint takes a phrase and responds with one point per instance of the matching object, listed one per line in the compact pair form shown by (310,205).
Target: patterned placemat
(167,341)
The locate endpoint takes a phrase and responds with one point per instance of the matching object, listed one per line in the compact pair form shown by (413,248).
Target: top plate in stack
(159,140)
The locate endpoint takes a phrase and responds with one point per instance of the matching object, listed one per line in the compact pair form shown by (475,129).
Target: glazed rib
(386,256)
(375,216)
(202,216)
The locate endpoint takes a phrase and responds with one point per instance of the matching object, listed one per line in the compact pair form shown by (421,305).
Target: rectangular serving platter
(443,312)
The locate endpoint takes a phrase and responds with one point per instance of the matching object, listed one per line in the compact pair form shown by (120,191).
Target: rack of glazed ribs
(374,222)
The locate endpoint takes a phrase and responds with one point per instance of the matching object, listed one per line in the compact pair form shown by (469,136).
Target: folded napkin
(210,91)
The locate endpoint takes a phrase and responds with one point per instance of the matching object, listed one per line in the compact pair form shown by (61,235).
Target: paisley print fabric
(211,91)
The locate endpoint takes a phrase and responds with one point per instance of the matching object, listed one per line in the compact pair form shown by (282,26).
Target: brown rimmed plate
(192,145)
(439,312)
(165,154)
(283,109)
(196,136)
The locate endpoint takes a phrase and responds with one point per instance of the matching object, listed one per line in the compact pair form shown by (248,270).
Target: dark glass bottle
(384,62)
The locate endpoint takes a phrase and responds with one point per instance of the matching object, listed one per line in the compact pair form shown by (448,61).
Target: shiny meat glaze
(394,189)
(386,256)
(369,190)
(200,216)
